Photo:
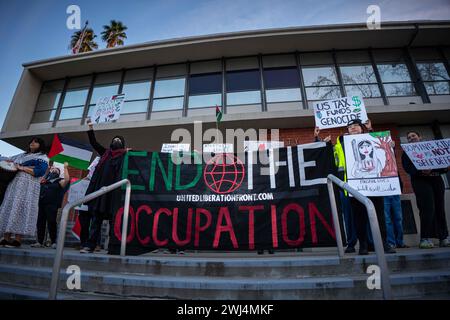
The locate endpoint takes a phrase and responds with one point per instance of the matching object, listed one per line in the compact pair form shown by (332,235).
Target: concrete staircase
(415,274)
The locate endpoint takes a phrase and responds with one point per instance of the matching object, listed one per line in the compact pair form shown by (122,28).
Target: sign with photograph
(108,109)
(338,112)
(428,155)
(370,164)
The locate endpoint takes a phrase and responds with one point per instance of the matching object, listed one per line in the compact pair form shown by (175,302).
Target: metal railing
(374,227)
(63,226)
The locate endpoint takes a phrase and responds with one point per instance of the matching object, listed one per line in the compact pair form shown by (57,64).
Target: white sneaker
(37,245)
(86,250)
(444,243)
(426,244)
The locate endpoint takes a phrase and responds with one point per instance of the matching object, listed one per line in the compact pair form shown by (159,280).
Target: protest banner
(227,203)
(428,155)
(250,145)
(108,109)
(370,164)
(338,112)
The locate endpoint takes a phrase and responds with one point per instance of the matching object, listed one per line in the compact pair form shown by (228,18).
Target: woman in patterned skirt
(19,210)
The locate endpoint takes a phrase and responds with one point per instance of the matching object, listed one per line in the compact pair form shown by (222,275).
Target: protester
(394,220)
(19,210)
(349,220)
(359,210)
(429,189)
(53,188)
(107,172)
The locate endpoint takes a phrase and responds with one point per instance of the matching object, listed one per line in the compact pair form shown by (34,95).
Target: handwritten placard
(338,112)
(108,109)
(370,164)
(428,155)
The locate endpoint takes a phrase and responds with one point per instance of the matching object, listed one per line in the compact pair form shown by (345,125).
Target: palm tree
(87,43)
(114,34)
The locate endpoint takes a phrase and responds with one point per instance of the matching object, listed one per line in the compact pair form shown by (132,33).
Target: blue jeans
(350,227)
(393,216)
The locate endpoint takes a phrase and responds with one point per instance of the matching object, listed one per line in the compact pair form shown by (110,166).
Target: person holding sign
(429,189)
(53,188)
(355,127)
(107,172)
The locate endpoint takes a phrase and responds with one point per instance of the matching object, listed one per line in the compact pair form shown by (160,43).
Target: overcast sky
(33,30)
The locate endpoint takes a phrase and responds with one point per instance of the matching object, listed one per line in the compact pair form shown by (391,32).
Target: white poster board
(252,145)
(338,112)
(171,147)
(428,155)
(218,148)
(77,191)
(108,109)
(370,164)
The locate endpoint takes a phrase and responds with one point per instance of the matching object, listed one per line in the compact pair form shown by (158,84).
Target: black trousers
(362,219)
(95,232)
(85,218)
(430,194)
(46,218)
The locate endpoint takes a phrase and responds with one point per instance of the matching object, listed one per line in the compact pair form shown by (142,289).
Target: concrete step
(405,285)
(237,265)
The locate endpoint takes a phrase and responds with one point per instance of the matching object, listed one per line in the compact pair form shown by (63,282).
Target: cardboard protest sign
(108,109)
(77,191)
(429,155)
(218,148)
(370,164)
(338,112)
(171,147)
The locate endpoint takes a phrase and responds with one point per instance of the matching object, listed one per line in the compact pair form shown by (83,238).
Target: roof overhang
(271,41)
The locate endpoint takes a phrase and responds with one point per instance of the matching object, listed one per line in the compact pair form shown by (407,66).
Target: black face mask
(52,176)
(116,145)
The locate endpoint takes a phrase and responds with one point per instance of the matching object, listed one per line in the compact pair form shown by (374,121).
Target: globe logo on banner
(224,173)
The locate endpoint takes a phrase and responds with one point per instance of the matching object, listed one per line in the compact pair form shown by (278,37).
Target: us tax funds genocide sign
(225,203)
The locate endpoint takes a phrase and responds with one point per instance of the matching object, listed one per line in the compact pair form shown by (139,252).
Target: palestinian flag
(77,154)
(218,114)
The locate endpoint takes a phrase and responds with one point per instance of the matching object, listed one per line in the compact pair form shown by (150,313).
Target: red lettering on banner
(118,224)
(159,243)
(251,223)
(293,207)
(273,214)
(188,228)
(198,228)
(148,211)
(313,213)
(223,212)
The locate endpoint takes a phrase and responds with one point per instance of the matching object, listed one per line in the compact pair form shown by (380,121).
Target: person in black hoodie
(430,190)
(107,172)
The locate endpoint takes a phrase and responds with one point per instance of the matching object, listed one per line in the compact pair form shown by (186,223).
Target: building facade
(267,79)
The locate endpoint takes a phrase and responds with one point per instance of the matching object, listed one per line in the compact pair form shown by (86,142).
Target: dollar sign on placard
(356,101)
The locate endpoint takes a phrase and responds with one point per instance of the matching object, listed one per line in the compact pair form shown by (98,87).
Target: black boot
(363,249)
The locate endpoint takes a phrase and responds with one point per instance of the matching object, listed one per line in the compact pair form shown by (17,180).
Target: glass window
(205,100)
(245,97)
(168,104)
(169,87)
(437,87)
(205,83)
(363,90)
(75,97)
(433,71)
(138,74)
(323,93)
(278,78)
(48,100)
(71,113)
(319,76)
(394,73)
(283,95)
(103,91)
(55,85)
(247,80)
(136,90)
(358,74)
(134,106)
(43,116)
(399,89)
